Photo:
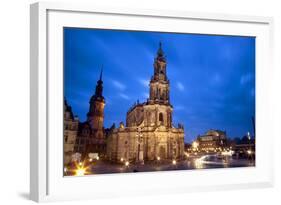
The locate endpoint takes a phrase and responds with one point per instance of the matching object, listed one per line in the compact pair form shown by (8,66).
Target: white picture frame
(46,176)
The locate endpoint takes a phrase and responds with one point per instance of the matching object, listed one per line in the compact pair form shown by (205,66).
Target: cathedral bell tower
(159,109)
(95,116)
(159,83)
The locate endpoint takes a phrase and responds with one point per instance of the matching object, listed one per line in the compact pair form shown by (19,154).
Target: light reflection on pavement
(198,162)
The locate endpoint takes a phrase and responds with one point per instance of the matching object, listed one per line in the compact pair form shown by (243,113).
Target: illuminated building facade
(149,132)
(212,140)
(70,132)
(91,133)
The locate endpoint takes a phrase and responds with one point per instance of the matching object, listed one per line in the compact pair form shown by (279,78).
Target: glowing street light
(174,162)
(195,145)
(98,158)
(122,159)
(90,160)
(158,158)
(249,136)
(249,152)
(127,163)
(80,171)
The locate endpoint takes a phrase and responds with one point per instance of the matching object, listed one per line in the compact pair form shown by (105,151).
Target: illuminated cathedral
(149,133)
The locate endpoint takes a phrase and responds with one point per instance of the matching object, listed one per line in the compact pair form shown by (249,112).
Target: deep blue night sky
(212,78)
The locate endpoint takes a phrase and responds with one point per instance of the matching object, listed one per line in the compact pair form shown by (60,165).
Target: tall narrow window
(161,119)
(65,138)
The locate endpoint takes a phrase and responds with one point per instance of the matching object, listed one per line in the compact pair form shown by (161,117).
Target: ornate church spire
(99,86)
(160,65)
(97,103)
(159,84)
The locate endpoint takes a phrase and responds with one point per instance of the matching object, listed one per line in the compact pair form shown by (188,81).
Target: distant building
(212,140)
(70,132)
(91,133)
(245,146)
(149,133)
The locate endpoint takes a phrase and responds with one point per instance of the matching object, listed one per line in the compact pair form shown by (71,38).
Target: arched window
(161,118)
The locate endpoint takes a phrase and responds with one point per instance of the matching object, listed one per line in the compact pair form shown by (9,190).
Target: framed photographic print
(154,101)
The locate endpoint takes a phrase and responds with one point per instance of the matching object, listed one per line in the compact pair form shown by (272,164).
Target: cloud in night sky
(179,107)
(212,78)
(180,86)
(119,85)
(144,82)
(124,96)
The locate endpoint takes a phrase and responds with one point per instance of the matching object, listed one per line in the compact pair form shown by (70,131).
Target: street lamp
(174,162)
(127,163)
(158,158)
(249,151)
(80,171)
(195,145)
(249,136)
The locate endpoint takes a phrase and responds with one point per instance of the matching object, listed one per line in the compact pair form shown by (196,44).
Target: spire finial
(101,72)
(99,87)
(160,51)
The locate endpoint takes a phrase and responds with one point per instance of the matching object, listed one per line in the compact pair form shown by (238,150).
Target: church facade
(149,133)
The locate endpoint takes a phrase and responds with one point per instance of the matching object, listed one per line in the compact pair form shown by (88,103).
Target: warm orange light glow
(127,163)
(158,158)
(174,162)
(195,144)
(80,169)
(186,154)
(80,172)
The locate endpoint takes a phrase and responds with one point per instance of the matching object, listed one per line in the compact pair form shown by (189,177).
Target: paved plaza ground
(196,162)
